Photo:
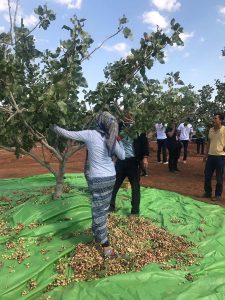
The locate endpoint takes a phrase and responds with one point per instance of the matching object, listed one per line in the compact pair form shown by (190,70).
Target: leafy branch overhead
(127,78)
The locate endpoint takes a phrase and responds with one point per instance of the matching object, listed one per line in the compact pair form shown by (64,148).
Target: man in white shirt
(161,142)
(185,131)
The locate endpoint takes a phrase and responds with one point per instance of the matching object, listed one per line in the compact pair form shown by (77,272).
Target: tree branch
(15,15)
(41,162)
(11,24)
(102,43)
(40,137)
(51,149)
(72,150)
(9,149)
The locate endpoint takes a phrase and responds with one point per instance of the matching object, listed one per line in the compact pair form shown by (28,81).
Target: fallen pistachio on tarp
(138,243)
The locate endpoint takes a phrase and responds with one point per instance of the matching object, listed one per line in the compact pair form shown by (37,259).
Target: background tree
(127,87)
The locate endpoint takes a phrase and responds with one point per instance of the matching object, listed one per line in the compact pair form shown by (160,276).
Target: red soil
(187,182)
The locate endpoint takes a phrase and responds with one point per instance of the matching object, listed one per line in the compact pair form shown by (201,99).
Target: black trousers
(184,144)
(214,163)
(130,168)
(173,157)
(200,145)
(161,148)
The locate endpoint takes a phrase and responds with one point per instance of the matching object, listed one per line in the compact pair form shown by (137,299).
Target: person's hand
(118,138)
(145,162)
(205,158)
(52,127)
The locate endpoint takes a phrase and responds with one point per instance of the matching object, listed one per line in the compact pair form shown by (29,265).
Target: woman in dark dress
(173,146)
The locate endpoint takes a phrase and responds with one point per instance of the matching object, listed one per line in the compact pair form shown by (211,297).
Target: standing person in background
(99,170)
(136,153)
(200,139)
(172,145)
(215,158)
(185,131)
(161,142)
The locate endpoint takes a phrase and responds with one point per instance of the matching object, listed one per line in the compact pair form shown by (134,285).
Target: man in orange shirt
(215,158)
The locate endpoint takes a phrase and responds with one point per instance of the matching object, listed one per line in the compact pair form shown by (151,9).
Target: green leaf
(142,71)
(62,106)
(172,22)
(127,32)
(149,63)
(39,10)
(67,28)
(123,20)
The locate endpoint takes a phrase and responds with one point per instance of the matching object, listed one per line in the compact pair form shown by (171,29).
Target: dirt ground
(187,182)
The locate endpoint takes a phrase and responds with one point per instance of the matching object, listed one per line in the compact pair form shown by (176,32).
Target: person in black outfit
(136,153)
(173,146)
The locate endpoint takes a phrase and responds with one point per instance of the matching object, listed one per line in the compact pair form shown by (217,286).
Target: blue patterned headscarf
(107,125)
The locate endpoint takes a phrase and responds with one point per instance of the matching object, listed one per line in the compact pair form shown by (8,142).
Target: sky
(199,61)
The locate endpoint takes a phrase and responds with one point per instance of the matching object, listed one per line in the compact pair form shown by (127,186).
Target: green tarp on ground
(29,203)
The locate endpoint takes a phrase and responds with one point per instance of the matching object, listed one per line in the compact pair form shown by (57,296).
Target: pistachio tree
(128,85)
(39,88)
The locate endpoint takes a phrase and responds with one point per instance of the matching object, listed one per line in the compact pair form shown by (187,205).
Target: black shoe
(172,171)
(177,170)
(217,198)
(144,174)
(134,212)
(132,215)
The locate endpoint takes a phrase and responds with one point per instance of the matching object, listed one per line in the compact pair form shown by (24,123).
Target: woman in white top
(100,173)
(161,142)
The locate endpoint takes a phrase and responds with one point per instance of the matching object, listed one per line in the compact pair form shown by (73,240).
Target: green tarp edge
(202,223)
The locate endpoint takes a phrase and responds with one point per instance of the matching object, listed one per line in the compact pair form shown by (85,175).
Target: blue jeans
(214,163)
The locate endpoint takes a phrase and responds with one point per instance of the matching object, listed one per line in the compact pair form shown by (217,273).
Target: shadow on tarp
(202,223)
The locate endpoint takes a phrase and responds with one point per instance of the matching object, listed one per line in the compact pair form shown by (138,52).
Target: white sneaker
(159,162)
(165,163)
(184,161)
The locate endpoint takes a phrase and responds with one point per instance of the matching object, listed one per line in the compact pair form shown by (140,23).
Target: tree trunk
(60,180)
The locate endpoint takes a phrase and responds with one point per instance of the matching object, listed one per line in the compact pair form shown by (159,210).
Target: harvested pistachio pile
(137,241)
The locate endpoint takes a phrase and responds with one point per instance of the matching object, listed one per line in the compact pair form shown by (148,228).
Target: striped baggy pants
(101,193)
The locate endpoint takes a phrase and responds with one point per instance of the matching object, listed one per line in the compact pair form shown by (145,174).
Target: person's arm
(145,150)
(206,150)
(191,133)
(179,131)
(72,135)
(119,150)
